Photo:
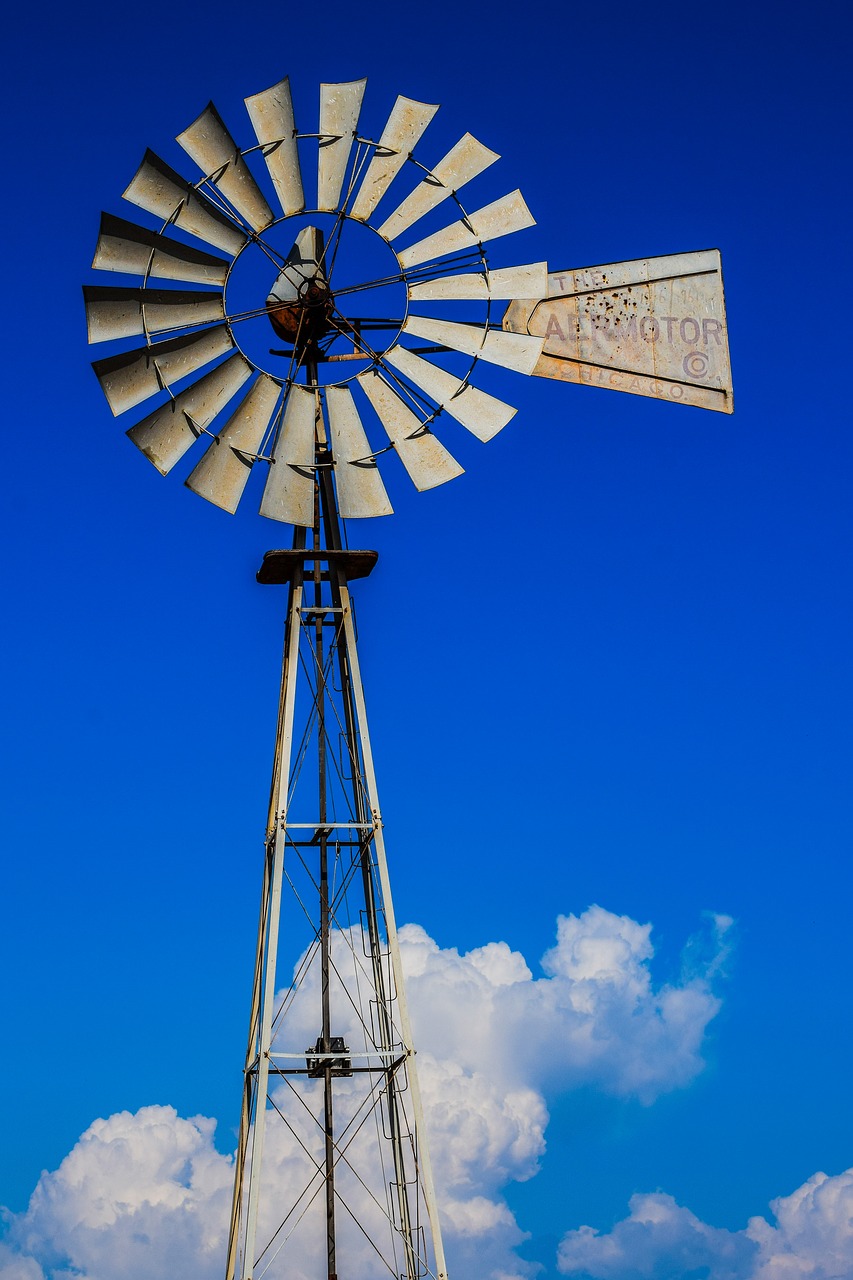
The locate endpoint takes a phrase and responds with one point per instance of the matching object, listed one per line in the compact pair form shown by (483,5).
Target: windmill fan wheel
(344,293)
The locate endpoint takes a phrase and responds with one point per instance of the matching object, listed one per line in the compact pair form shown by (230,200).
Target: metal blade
(118,313)
(421,453)
(132,376)
(222,473)
(289,491)
(166,434)
(521,352)
(216,153)
(164,192)
(124,246)
(271,113)
(340,105)
(500,218)
(405,125)
(482,414)
(507,282)
(462,163)
(360,489)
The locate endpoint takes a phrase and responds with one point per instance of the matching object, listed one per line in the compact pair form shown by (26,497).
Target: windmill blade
(340,105)
(166,434)
(361,492)
(124,246)
(123,313)
(462,163)
(289,491)
(405,126)
(482,414)
(132,376)
(208,142)
(271,114)
(163,192)
(221,475)
(421,453)
(490,345)
(505,283)
(501,218)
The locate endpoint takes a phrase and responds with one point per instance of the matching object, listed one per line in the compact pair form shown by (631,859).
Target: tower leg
(256,1068)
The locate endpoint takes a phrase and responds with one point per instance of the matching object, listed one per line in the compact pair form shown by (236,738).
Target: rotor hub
(299,304)
(314,293)
(304,322)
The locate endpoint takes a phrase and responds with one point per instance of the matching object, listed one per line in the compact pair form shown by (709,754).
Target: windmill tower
(333,1175)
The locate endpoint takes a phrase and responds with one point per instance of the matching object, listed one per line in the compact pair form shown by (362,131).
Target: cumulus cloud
(495,1042)
(659,1240)
(811,1237)
(135,1193)
(596,1017)
(143,1196)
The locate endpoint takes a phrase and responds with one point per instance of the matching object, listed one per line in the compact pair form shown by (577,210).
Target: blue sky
(610,665)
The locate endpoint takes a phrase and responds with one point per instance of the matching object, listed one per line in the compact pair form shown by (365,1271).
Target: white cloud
(135,1193)
(812,1239)
(659,1240)
(146,1196)
(495,1041)
(17,1266)
(595,1018)
(813,1235)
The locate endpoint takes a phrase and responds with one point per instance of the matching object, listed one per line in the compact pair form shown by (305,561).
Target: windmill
(381,322)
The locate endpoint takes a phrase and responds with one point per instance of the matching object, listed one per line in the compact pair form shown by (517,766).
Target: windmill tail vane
(306,309)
